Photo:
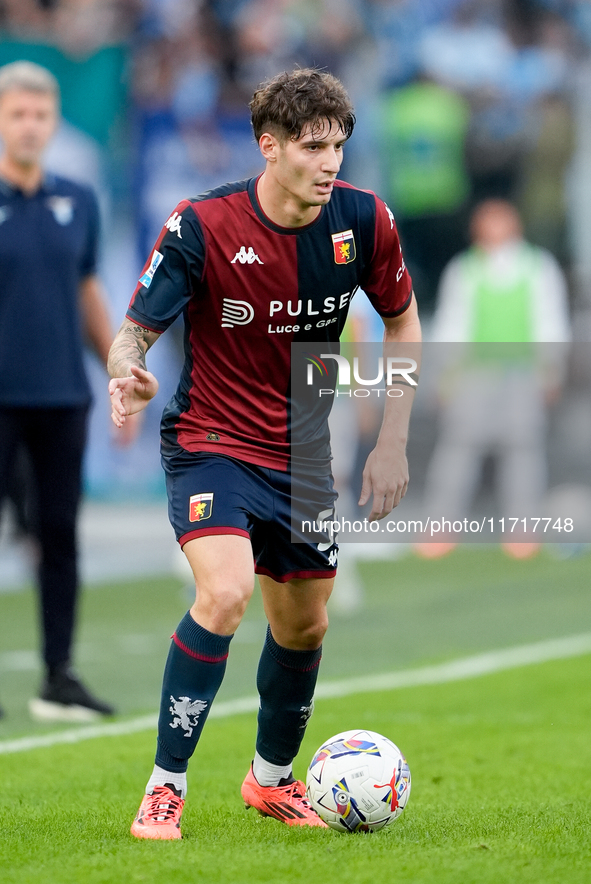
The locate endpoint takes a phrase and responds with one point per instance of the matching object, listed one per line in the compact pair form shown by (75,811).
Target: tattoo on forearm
(129,348)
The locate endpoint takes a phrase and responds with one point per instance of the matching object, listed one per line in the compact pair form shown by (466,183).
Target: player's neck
(27,177)
(281,207)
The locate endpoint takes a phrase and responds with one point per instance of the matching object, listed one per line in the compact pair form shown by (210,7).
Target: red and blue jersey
(248,288)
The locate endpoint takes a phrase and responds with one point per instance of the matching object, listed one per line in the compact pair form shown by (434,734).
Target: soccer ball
(358,781)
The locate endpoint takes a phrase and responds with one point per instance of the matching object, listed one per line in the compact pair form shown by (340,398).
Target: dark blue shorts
(215,494)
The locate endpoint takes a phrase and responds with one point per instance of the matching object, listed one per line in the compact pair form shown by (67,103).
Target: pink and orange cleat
(159,816)
(287,802)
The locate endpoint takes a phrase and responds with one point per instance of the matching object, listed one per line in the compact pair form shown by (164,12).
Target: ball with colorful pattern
(358,781)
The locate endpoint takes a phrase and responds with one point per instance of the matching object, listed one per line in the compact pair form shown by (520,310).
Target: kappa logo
(246,257)
(174,224)
(200,506)
(186,713)
(236,313)
(344,247)
(390,215)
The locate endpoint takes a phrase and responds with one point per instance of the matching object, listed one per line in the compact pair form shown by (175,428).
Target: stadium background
(455,101)
(154,104)
(155,107)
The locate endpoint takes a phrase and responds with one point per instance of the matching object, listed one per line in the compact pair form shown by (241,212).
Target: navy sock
(285,680)
(193,673)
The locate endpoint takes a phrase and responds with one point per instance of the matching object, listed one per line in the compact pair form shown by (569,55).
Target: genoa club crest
(200,507)
(344,247)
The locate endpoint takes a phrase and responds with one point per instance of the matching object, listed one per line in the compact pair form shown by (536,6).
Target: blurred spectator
(24,17)
(50,296)
(77,26)
(470,50)
(397,27)
(423,139)
(551,137)
(502,289)
(542,183)
(505,58)
(495,63)
(275,34)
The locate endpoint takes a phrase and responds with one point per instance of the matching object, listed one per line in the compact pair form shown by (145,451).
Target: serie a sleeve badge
(344,247)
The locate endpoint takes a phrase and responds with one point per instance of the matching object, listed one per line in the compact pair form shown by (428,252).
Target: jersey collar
(264,219)
(47,185)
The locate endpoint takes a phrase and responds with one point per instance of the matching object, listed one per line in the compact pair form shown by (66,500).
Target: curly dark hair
(287,103)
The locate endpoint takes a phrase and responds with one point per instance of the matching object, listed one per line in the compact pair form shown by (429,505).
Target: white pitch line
(455,670)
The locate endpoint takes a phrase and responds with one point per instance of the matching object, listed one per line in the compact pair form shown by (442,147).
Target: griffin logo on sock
(200,507)
(186,713)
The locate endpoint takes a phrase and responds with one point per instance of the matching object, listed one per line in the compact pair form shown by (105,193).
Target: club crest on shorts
(200,507)
(344,247)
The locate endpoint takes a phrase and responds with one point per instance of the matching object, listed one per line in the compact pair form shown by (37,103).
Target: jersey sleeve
(172,273)
(386,281)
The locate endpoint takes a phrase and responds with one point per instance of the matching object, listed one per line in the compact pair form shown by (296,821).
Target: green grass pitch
(501,764)
(501,770)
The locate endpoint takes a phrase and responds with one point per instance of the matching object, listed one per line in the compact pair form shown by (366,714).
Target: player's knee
(309,636)
(220,609)
(233,599)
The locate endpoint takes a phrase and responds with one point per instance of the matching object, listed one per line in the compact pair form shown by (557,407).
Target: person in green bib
(423,130)
(501,291)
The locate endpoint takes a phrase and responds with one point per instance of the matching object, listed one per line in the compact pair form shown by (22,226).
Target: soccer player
(50,301)
(254,266)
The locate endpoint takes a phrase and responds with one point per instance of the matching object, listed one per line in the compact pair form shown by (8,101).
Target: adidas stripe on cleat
(159,816)
(286,802)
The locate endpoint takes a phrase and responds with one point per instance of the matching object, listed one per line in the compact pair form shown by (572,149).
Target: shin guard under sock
(285,680)
(193,673)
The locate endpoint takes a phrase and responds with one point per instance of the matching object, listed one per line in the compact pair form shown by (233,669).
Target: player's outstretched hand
(386,476)
(132,394)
